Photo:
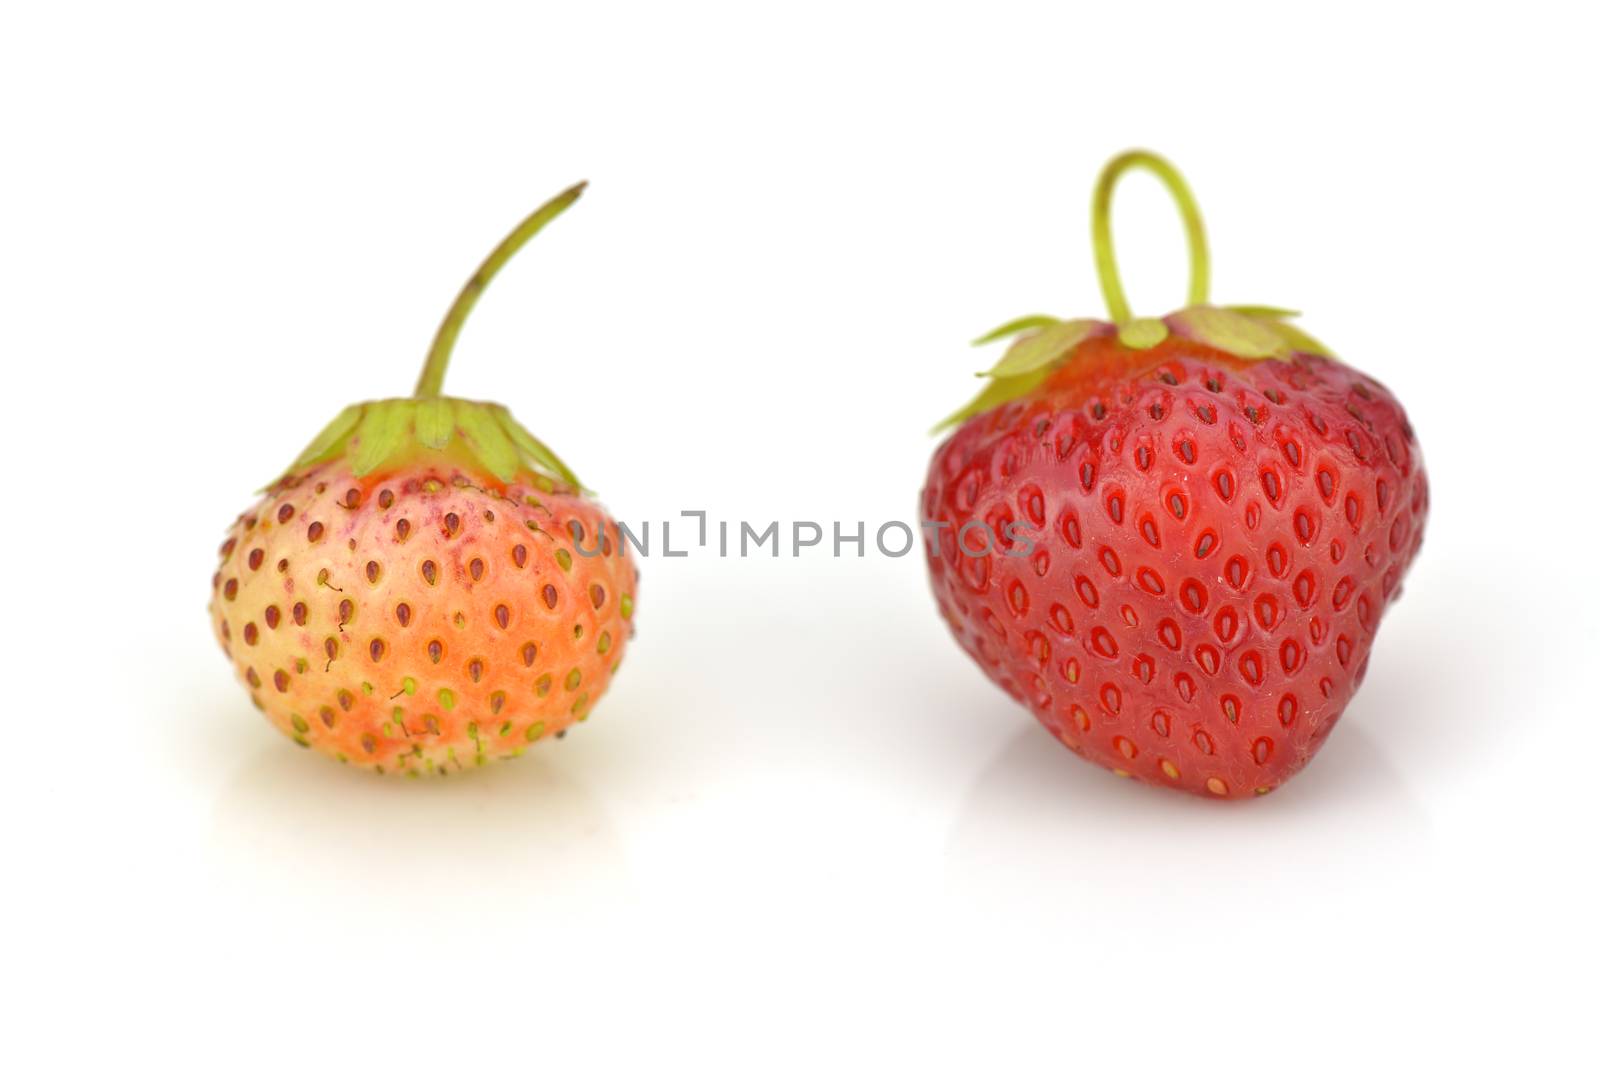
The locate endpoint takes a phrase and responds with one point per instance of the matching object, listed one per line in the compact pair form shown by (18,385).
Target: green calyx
(390,433)
(1042,343)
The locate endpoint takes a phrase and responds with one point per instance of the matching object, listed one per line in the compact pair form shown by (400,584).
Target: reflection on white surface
(522,835)
(1039,812)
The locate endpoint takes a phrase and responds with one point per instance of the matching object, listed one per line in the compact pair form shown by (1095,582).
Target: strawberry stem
(444,341)
(1105,257)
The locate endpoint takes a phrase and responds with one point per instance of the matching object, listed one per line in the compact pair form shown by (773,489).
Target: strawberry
(428,586)
(1195,526)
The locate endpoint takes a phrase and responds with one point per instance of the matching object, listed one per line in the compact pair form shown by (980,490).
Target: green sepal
(381,432)
(1273,319)
(535,450)
(1261,311)
(1045,347)
(488,442)
(1016,326)
(997,392)
(1231,331)
(1142,333)
(1027,363)
(436,421)
(327,443)
(1300,341)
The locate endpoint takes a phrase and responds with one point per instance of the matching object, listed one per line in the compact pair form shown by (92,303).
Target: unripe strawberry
(1197,523)
(428,587)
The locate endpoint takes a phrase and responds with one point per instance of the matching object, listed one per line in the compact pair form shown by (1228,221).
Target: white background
(802,826)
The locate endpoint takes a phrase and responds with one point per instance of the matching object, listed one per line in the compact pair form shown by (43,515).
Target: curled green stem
(1105,257)
(432,380)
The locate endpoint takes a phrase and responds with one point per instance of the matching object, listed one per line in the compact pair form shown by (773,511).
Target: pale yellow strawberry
(428,587)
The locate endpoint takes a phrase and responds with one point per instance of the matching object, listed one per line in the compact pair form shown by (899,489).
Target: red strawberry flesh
(1215,541)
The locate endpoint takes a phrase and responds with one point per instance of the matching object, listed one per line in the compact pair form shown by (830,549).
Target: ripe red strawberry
(1198,523)
(427,587)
